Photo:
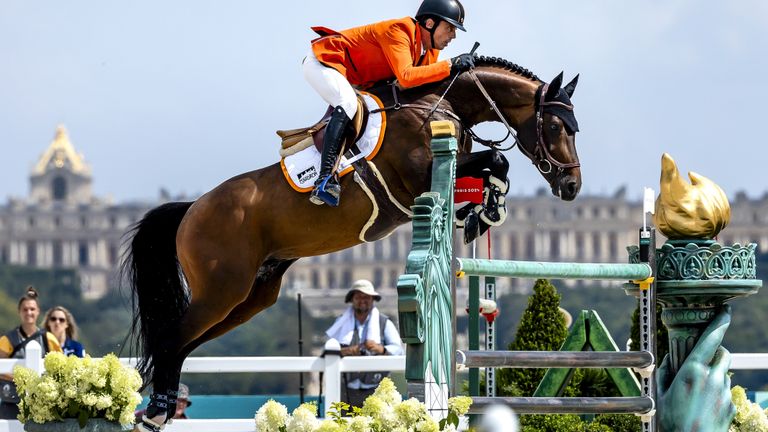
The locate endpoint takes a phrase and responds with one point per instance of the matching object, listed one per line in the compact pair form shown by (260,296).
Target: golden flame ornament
(699,210)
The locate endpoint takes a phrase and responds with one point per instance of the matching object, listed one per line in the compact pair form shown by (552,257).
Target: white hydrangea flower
(271,417)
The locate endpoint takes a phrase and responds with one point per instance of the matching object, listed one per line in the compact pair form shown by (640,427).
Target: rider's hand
(462,63)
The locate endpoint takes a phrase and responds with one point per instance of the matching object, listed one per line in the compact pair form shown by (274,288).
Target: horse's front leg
(492,166)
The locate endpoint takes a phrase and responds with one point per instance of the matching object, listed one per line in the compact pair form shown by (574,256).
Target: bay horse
(199,269)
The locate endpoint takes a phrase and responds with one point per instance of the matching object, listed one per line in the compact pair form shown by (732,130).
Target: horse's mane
(506,65)
(382,88)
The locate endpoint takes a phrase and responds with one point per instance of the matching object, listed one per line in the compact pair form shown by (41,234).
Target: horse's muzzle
(566,187)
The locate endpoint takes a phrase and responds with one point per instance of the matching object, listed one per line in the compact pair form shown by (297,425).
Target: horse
(199,269)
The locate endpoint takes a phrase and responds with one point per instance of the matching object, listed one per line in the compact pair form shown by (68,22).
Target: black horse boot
(327,188)
(156,415)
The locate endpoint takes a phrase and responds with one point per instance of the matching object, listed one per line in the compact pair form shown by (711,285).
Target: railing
(331,365)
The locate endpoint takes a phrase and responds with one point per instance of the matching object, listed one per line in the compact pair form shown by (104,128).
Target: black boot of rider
(327,188)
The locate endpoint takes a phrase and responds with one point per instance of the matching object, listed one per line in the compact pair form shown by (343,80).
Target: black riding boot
(327,188)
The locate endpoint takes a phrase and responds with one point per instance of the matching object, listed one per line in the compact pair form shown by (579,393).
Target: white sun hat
(364,286)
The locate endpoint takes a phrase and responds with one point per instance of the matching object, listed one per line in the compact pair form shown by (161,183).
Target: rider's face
(444,34)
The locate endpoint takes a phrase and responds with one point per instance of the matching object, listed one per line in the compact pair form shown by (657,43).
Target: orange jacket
(380,51)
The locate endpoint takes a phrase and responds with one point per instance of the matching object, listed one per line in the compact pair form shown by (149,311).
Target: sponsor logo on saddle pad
(301,169)
(308,174)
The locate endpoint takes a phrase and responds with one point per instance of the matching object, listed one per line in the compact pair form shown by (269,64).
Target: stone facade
(62,225)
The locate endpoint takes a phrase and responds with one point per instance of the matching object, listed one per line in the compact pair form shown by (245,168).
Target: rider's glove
(462,63)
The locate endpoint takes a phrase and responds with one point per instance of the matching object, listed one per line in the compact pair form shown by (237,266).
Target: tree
(542,328)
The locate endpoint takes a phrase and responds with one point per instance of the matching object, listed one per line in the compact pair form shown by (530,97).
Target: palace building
(61,224)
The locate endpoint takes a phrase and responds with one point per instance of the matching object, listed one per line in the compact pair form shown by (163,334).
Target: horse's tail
(151,268)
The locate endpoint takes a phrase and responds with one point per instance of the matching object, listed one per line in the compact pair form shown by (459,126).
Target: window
(31,253)
(378,250)
(394,246)
(113,254)
(346,278)
(554,244)
(315,279)
(58,254)
(513,247)
(332,282)
(393,277)
(530,246)
(614,244)
(82,253)
(59,187)
(596,249)
(378,277)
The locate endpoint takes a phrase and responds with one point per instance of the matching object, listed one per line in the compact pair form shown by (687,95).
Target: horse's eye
(554,128)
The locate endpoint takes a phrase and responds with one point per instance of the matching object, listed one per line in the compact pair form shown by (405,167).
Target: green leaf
(82,418)
(453,419)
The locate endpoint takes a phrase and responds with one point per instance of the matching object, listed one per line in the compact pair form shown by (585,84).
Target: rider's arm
(396,45)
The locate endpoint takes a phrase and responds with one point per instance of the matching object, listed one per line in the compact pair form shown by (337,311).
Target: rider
(404,48)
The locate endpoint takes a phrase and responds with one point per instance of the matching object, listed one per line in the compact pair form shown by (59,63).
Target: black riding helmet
(447,10)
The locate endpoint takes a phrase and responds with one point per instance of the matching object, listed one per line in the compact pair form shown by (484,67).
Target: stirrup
(326,192)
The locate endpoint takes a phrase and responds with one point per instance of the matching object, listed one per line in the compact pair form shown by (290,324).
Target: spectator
(182,403)
(59,321)
(13,345)
(363,330)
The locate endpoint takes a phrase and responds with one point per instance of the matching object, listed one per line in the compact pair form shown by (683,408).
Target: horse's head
(540,113)
(550,141)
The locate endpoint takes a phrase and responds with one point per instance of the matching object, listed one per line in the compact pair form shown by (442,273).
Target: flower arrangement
(80,388)
(385,410)
(750,417)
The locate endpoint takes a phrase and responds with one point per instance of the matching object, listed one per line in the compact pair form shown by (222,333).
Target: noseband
(541,157)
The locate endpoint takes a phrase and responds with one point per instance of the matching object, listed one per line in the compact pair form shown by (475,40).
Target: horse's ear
(554,87)
(571,86)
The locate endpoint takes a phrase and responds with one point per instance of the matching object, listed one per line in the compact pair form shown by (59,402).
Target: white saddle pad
(301,169)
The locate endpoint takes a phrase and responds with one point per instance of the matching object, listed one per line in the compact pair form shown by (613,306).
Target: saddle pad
(301,169)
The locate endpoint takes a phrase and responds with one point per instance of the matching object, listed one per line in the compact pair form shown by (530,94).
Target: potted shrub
(78,394)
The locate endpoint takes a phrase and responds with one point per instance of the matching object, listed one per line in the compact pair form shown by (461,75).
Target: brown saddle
(296,140)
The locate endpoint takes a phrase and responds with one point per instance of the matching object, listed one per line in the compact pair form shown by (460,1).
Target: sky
(182,95)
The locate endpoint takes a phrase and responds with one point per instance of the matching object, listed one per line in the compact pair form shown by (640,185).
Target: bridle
(541,157)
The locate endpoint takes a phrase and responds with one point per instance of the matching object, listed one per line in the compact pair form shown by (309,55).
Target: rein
(540,157)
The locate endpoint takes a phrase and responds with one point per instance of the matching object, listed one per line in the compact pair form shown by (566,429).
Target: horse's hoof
(150,425)
(471,227)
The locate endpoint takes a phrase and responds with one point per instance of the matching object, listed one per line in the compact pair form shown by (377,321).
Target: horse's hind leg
(264,293)
(215,293)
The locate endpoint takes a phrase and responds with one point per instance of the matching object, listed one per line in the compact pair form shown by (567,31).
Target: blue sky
(185,94)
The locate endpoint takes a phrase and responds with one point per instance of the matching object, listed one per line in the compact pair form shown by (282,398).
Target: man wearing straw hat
(363,330)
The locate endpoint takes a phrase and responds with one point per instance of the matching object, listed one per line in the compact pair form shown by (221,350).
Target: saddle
(296,140)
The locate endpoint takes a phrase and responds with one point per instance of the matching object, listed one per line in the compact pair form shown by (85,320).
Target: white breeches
(332,86)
